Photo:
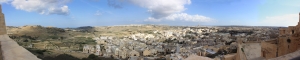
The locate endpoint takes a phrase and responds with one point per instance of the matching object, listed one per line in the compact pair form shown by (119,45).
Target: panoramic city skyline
(75,13)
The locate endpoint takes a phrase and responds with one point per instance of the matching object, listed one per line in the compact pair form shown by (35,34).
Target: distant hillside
(251,26)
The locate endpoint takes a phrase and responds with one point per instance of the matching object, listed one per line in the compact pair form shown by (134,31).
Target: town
(149,42)
(155,42)
(146,41)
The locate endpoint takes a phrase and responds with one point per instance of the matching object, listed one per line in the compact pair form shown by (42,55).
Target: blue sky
(74,13)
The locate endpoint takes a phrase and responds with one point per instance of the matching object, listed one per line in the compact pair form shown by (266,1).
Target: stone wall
(1,56)
(283,46)
(2,23)
(11,50)
(295,44)
(288,42)
(269,49)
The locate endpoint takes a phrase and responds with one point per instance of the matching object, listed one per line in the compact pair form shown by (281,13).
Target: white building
(98,50)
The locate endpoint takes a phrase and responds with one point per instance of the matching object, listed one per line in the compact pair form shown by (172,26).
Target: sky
(76,13)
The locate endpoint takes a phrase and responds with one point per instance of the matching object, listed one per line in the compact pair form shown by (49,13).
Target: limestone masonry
(2,23)
(10,49)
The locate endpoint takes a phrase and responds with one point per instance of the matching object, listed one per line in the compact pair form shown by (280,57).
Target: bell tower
(2,22)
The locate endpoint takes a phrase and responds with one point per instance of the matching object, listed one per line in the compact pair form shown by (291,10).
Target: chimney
(2,23)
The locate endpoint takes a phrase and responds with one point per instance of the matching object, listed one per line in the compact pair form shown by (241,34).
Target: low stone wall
(1,56)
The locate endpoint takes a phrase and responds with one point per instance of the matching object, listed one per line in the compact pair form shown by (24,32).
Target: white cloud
(165,10)
(283,20)
(151,19)
(162,8)
(43,6)
(186,17)
(169,10)
(183,17)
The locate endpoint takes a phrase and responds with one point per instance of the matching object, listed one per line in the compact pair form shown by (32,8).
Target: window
(288,40)
(293,31)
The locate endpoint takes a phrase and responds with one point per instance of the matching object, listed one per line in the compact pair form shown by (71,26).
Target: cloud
(283,20)
(186,17)
(43,6)
(151,19)
(183,17)
(162,8)
(165,10)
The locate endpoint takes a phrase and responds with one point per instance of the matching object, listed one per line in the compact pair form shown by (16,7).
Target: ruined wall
(288,42)
(291,30)
(295,39)
(2,23)
(269,49)
(289,39)
(283,45)
(282,31)
(295,44)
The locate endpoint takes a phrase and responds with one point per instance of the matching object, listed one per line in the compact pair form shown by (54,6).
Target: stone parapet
(9,49)
(2,23)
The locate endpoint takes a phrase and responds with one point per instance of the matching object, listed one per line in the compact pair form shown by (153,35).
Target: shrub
(92,56)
